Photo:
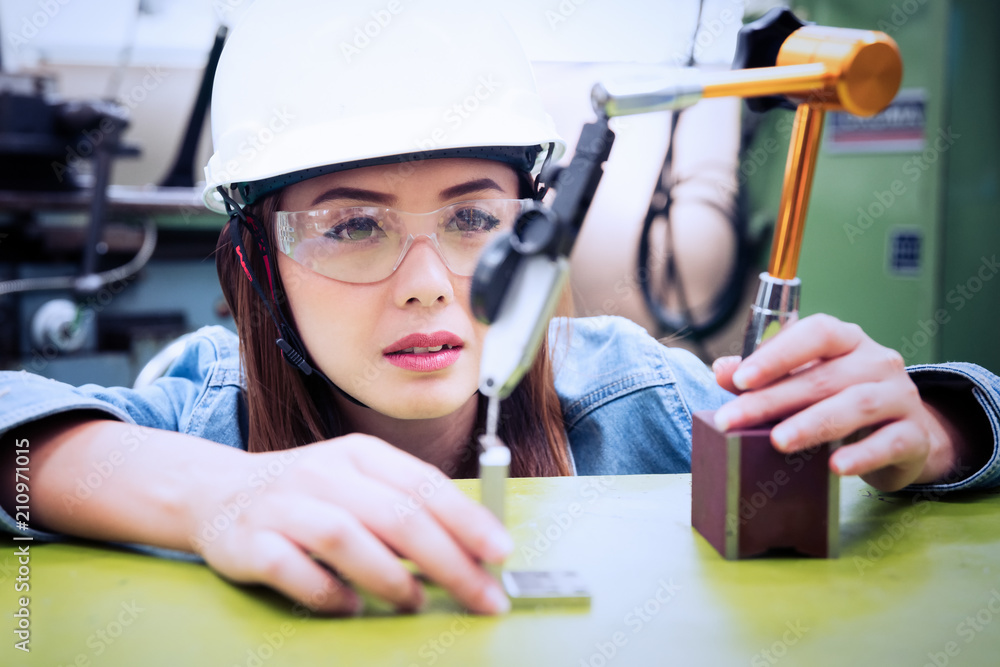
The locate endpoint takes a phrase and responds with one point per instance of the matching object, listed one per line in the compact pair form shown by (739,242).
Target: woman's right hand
(355,504)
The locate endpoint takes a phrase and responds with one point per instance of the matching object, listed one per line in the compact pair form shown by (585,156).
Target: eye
(471,219)
(356,228)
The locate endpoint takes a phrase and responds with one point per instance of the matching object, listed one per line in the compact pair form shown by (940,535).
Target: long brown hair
(287,409)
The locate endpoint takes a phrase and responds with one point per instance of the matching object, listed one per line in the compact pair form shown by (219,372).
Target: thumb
(724,367)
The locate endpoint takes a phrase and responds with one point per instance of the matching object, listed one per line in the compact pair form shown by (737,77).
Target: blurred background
(107,255)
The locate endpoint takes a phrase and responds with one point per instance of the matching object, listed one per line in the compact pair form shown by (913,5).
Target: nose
(422,276)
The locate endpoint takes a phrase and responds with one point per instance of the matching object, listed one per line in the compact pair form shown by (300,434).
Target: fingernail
(501,544)
(497,600)
(724,417)
(744,375)
(782,436)
(841,464)
(724,361)
(417,598)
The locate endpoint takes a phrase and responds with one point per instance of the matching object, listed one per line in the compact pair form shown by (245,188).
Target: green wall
(948,193)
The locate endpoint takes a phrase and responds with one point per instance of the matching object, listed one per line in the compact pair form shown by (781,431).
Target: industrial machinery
(95,278)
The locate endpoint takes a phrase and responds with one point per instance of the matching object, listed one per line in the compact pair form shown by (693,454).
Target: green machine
(903,228)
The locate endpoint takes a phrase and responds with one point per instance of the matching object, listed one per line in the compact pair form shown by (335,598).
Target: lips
(424,352)
(422,341)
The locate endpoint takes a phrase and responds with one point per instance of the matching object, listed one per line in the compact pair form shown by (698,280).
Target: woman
(361,177)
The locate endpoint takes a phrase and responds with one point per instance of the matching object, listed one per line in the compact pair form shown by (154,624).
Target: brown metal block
(747,498)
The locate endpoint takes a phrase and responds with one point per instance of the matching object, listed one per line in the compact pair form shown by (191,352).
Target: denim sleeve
(983,399)
(627,399)
(185,400)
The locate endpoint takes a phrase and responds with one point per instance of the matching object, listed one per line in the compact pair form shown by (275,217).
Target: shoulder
(599,359)
(210,354)
(627,399)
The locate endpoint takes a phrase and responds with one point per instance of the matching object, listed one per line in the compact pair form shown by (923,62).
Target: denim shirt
(626,399)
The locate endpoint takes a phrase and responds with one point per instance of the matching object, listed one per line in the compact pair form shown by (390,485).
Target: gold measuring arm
(821,69)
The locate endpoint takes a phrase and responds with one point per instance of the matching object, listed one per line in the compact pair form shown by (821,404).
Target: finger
(279,563)
(812,385)
(428,489)
(443,560)
(337,538)
(901,444)
(420,537)
(815,337)
(723,367)
(840,415)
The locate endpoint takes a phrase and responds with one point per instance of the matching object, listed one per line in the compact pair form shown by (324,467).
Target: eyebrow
(356,193)
(477,185)
(384,199)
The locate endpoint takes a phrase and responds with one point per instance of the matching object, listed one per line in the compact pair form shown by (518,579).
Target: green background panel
(952,196)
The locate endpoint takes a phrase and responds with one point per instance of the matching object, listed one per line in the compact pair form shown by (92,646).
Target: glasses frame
(287,233)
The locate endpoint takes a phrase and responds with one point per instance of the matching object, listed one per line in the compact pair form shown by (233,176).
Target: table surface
(915,584)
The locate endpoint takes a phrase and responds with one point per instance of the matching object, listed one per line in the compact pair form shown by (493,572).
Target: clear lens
(365,244)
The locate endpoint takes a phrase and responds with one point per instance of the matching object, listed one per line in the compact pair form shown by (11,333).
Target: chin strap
(292,349)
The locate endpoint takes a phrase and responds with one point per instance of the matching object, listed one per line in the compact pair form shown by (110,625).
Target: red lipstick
(424,352)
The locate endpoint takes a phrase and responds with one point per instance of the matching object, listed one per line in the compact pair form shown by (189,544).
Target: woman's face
(354,332)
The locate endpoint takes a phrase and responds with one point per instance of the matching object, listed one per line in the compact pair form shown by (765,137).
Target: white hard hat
(306,87)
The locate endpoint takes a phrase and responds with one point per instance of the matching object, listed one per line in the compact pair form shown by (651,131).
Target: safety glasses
(365,244)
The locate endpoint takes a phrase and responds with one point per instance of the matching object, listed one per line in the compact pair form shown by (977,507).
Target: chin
(421,402)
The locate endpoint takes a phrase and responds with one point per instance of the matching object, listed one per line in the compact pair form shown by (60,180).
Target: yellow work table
(915,584)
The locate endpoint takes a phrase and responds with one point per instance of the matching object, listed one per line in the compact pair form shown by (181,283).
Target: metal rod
(776,305)
(799,168)
(494,466)
(761,81)
(686,90)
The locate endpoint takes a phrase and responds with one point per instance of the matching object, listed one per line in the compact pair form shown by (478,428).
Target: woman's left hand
(826,380)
